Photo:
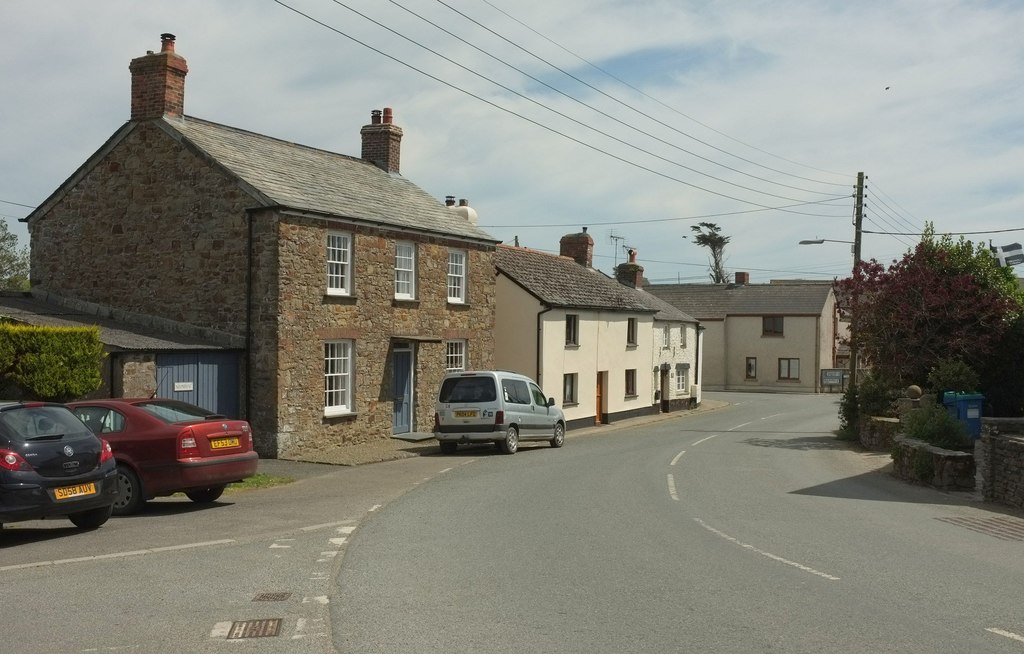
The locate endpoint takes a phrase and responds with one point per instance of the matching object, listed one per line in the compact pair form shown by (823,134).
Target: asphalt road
(747,529)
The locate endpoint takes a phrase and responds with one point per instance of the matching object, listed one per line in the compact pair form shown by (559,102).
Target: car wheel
(91,519)
(129,492)
(205,495)
(511,443)
(558,440)
(448,447)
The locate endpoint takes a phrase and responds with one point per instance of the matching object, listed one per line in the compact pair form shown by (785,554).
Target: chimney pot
(158,82)
(449,200)
(382,141)
(463,202)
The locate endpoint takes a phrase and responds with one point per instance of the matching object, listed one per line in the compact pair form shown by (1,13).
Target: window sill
(631,346)
(339,413)
(630,397)
(339,299)
(572,346)
(569,405)
(405,302)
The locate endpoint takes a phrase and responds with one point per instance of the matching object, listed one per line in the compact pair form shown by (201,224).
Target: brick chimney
(158,82)
(742,278)
(630,273)
(578,246)
(382,140)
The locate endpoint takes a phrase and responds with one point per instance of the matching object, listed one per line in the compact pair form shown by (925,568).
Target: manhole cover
(271,597)
(254,628)
(1001,527)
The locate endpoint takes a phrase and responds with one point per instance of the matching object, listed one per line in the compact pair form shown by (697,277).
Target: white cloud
(804,81)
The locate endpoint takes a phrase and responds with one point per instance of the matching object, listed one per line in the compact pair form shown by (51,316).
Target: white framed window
(631,331)
(339,360)
(682,378)
(569,383)
(631,382)
(455,355)
(457,276)
(405,270)
(572,329)
(339,263)
(666,337)
(789,368)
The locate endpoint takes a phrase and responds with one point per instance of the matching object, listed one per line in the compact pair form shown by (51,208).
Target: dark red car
(167,446)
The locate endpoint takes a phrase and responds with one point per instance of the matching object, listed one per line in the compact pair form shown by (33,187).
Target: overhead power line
(670,108)
(655,137)
(526,118)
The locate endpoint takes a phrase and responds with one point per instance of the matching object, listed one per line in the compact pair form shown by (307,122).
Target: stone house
(587,339)
(338,291)
(776,337)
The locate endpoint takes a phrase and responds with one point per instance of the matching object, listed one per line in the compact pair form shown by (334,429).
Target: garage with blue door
(206,379)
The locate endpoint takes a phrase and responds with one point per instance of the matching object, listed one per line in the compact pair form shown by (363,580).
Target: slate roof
(716,301)
(29,310)
(309,179)
(666,311)
(561,282)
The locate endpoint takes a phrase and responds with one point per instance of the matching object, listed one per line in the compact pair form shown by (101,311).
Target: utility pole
(858,221)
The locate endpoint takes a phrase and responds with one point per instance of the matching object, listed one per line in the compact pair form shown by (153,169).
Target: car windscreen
(39,423)
(468,389)
(175,411)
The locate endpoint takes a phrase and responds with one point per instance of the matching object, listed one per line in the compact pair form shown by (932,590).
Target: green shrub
(934,425)
(924,467)
(849,420)
(877,396)
(952,375)
(51,363)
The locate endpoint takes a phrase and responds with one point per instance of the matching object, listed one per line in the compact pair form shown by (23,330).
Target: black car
(51,465)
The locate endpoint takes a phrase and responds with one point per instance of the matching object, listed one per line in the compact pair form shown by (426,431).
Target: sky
(638,119)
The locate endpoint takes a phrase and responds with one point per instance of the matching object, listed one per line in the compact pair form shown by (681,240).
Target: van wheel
(449,447)
(511,442)
(558,440)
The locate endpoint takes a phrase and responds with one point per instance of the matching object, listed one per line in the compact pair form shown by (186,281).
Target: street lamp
(819,241)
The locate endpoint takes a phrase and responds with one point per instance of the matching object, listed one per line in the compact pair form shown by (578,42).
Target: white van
(495,406)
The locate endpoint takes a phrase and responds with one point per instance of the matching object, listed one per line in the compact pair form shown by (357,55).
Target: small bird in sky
(887,88)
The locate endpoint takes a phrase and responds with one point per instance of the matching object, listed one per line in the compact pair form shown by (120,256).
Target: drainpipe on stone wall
(248,320)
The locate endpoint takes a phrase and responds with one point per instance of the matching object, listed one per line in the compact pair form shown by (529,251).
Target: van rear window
(468,389)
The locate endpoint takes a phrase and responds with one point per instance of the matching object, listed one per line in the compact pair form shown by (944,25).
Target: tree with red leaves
(944,300)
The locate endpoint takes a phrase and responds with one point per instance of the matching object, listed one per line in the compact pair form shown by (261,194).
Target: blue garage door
(207,379)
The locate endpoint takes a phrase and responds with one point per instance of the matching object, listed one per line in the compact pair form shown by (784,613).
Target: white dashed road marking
(677,457)
(704,439)
(774,557)
(672,488)
(117,555)
(1006,634)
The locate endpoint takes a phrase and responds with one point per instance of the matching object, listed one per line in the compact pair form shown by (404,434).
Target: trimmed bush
(51,363)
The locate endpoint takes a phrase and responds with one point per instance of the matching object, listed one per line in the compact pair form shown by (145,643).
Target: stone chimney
(158,82)
(742,278)
(578,246)
(382,140)
(630,273)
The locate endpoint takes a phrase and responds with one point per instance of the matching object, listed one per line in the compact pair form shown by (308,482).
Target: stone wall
(878,434)
(1001,460)
(296,317)
(152,228)
(920,462)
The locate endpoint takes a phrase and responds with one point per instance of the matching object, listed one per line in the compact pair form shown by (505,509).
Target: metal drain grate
(1003,528)
(254,628)
(271,597)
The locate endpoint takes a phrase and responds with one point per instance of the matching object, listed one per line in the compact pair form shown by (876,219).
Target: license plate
(221,443)
(465,414)
(79,490)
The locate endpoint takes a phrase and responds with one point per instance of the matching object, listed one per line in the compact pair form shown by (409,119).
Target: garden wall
(1001,460)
